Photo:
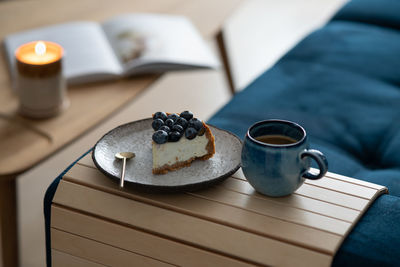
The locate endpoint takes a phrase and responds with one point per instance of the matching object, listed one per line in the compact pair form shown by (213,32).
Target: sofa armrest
(375,240)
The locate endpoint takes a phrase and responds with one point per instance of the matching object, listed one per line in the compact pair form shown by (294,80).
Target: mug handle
(321,161)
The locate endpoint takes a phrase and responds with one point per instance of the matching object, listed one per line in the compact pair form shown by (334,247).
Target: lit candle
(40,83)
(39,53)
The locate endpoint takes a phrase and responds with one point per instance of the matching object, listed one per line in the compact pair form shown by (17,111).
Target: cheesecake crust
(181,164)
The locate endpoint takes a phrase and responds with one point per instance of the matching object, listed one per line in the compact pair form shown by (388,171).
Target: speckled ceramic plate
(136,137)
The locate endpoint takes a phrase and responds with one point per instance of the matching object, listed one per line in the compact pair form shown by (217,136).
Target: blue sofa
(342,83)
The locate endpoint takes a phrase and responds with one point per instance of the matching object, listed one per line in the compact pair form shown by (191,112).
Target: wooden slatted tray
(94,222)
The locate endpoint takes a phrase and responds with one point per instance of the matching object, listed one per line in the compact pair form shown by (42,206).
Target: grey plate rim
(165,189)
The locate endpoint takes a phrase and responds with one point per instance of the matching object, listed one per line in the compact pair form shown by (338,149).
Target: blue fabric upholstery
(342,83)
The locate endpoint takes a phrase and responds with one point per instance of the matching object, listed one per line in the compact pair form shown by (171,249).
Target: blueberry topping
(169,123)
(157,123)
(173,116)
(160,137)
(190,133)
(187,115)
(196,123)
(182,122)
(201,131)
(173,126)
(165,128)
(174,136)
(160,115)
(177,128)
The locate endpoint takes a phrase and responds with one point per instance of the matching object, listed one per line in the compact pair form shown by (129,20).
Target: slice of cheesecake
(178,140)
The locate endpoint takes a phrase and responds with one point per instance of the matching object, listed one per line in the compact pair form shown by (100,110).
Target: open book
(125,45)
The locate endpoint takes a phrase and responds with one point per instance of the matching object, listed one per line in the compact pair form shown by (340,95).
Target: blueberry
(165,128)
(157,123)
(173,116)
(182,122)
(169,123)
(190,133)
(160,137)
(196,123)
(201,131)
(187,115)
(160,115)
(177,128)
(174,136)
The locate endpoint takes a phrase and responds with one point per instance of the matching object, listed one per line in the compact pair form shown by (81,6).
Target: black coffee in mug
(276,139)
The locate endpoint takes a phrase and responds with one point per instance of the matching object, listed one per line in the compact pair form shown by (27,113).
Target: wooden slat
(355,181)
(308,191)
(343,187)
(330,175)
(239,217)
(87,161)
(295,201)
(136,241)
(62,259)
(99,252)
(326,191)
(239,174)
(278,211)
(197,232)
(332,196)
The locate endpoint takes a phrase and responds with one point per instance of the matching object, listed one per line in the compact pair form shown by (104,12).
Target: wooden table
(26,142)
(94,223)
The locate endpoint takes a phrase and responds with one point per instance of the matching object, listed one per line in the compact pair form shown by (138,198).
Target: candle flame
(40,48)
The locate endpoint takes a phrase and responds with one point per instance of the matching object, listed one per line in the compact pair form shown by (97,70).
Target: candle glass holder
(40,82)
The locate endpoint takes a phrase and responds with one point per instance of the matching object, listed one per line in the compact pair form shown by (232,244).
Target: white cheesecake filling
(171,152)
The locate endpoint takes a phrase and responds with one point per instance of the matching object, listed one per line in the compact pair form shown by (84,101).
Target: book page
(156,42)
(88,55)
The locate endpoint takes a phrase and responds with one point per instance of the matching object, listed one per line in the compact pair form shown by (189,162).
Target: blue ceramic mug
(276,157)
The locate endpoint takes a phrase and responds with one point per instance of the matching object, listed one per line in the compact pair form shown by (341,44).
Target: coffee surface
(276,139)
